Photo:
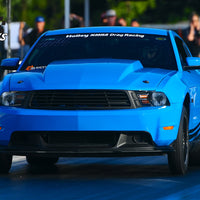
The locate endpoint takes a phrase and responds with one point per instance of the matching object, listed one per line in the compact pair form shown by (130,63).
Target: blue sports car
(102,91)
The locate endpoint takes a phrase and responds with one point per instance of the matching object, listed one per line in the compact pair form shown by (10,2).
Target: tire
(5,163)
(41,160)
(178,160)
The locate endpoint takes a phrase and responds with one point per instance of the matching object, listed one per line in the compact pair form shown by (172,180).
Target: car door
(191,78)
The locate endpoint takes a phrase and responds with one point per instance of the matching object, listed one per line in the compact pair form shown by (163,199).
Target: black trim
(192,130)
(195,130)
(94,152)
(76,139)
(77,99)
(84,143)
(187,68)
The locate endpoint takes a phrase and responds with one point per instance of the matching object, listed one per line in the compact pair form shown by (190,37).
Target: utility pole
(67,13)
(8,4)
(87,13)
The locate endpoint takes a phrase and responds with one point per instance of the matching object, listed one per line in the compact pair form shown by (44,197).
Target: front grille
(65,139)
(79,99)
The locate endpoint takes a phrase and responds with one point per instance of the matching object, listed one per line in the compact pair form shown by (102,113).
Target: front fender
(175,89)
(5,84)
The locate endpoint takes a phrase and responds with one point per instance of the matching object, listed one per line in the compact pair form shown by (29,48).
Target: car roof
(135,30)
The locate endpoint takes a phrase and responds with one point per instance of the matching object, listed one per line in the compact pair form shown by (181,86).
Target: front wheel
(179,159)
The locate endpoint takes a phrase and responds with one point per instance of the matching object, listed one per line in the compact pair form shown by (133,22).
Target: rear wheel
(179,159)
(5,163)
(41,160)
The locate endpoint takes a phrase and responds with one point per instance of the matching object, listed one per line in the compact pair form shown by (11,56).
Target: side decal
(193,133)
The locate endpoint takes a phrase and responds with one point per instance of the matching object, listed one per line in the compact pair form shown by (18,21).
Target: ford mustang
(101,91)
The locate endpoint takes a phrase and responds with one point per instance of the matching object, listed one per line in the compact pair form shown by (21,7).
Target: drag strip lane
(99,178)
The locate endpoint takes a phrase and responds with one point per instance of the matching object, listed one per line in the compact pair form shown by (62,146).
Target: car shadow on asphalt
(101,171)
(79,168)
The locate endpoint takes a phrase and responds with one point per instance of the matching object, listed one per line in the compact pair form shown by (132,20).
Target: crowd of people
(109,18)
(28,36)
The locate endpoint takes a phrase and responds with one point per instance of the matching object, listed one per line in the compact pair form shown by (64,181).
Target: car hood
(90,74)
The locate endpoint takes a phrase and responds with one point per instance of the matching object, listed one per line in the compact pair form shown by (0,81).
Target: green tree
(170,11)
(3,9)
(131,9)
(147,11)
(27,10)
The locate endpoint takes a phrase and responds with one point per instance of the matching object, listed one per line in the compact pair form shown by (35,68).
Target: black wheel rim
(185,142)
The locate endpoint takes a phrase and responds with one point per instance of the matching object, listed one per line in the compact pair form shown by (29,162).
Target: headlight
(159,99)
(150,98)
(13,99)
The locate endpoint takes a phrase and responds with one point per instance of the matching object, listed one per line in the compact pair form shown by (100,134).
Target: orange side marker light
(166,128)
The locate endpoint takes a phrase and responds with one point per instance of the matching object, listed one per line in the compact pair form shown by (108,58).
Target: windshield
(152,51)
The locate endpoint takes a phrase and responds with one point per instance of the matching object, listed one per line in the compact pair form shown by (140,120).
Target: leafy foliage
(147,11)
(3,9)
(131,9)
(170,11)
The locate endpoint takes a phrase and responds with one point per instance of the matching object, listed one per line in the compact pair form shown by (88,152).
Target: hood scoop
(89,72)
(111,74)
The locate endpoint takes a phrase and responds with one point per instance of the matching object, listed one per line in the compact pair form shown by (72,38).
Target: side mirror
(10,64)
(192,63)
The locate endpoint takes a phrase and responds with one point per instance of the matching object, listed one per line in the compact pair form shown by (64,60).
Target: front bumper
(125,152)
(84,143)
(149,120)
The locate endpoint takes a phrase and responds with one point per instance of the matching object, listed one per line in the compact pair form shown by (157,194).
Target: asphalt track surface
(137,178)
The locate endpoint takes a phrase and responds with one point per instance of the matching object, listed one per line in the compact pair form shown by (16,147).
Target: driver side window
(182,53)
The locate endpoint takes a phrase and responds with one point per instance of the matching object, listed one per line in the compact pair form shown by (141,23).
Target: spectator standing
(193,35)
(103,19)
(122,22)
(31,37)
(76,21)
(112,20)
(2,50)
(23,31)
(135,23)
